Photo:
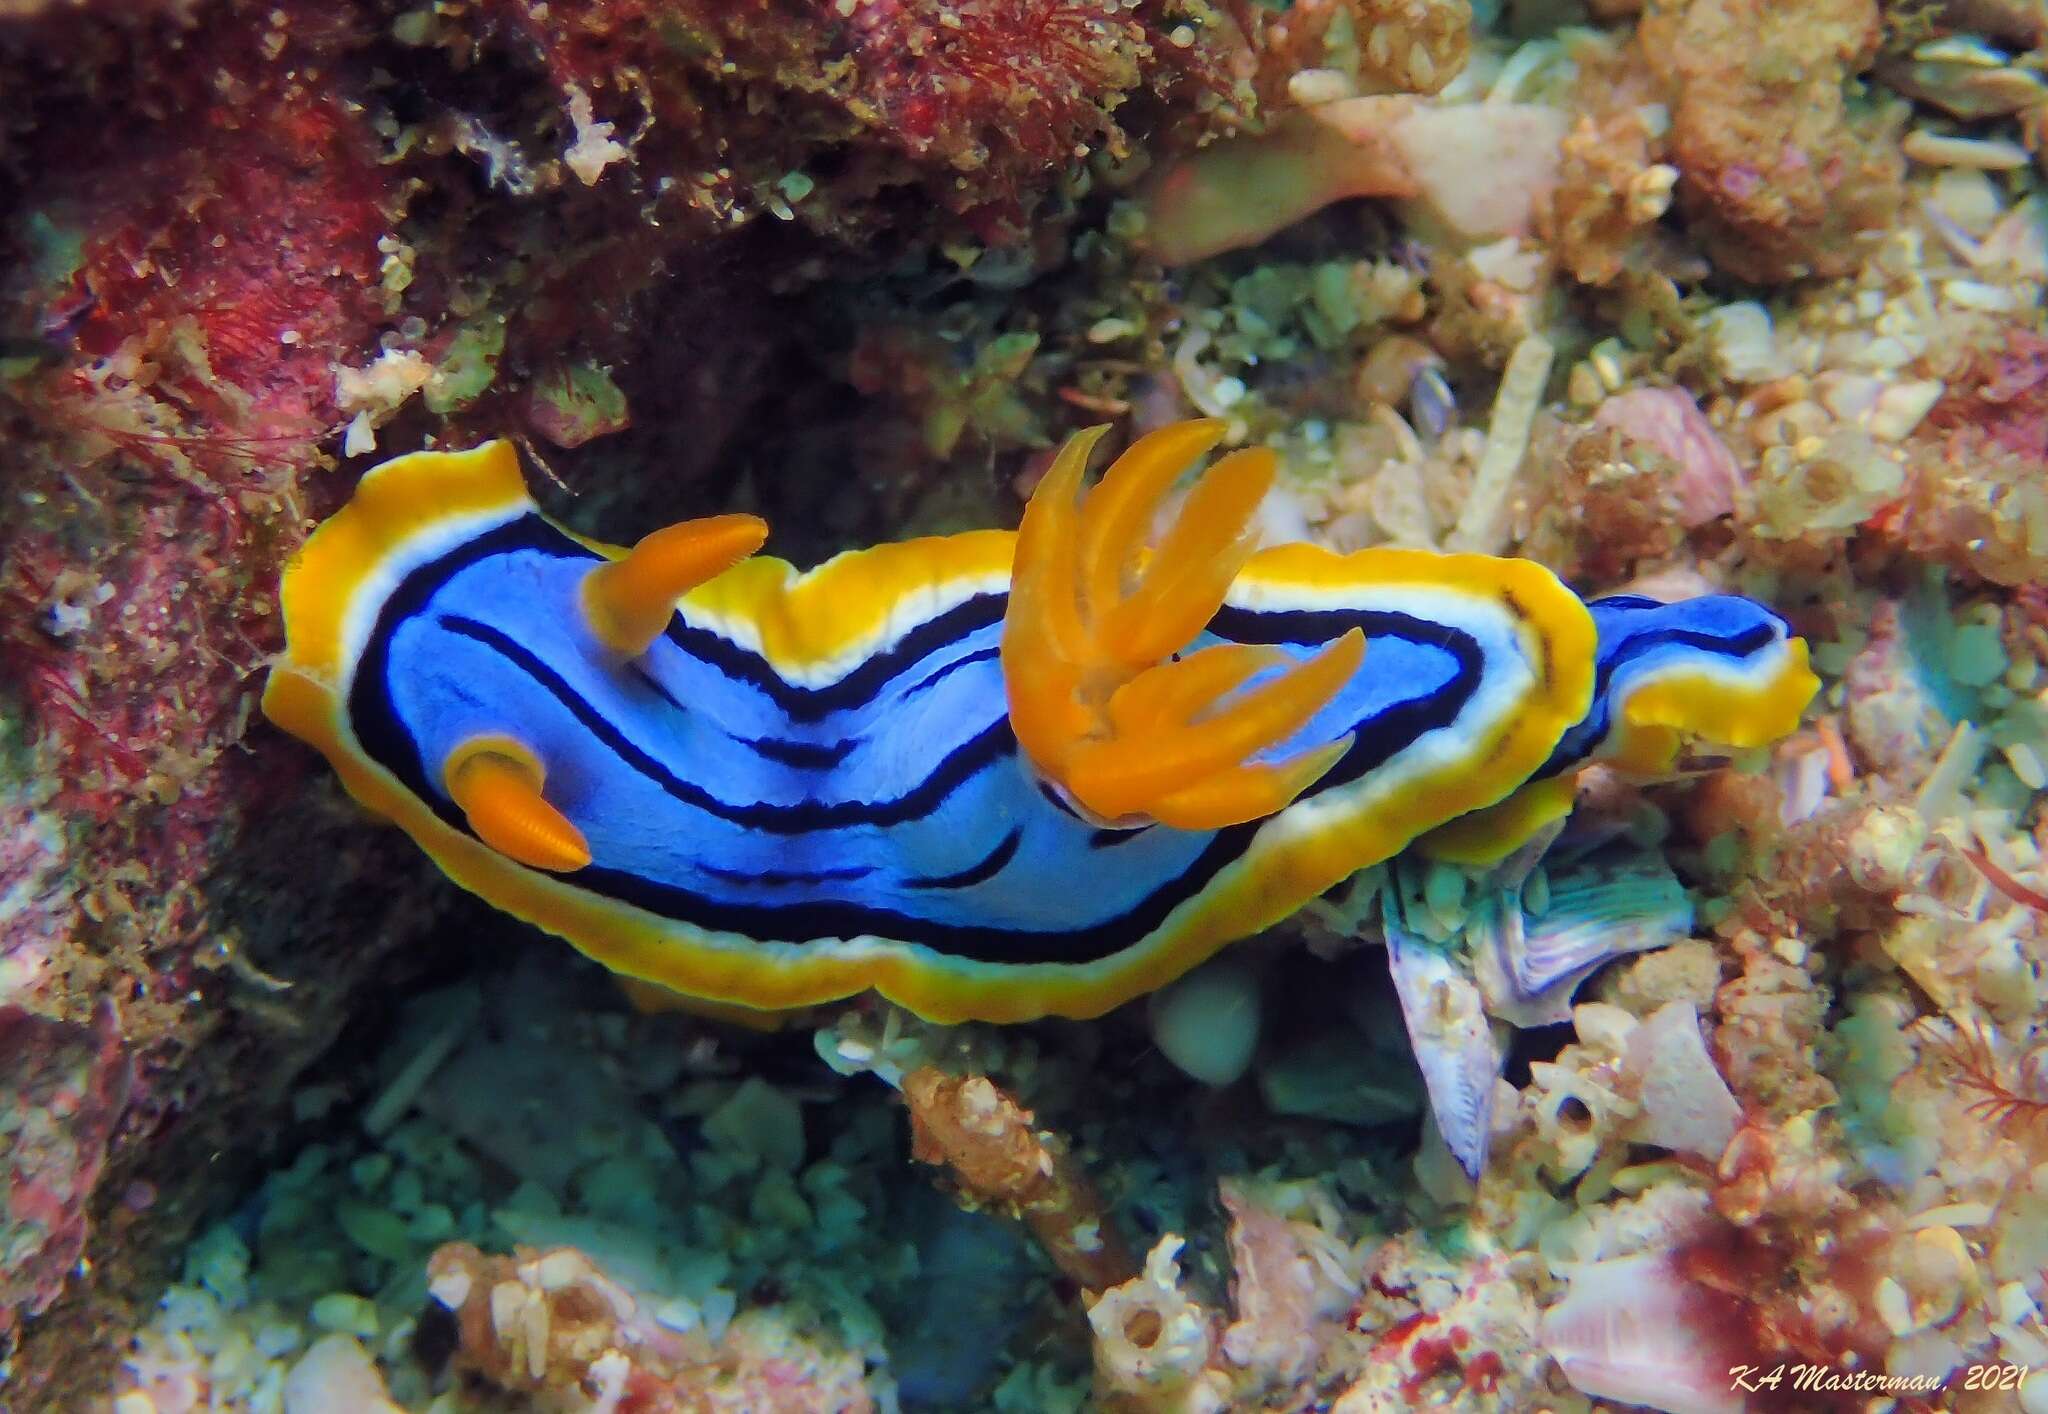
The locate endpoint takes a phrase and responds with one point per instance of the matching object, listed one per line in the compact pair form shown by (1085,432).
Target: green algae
(1890,1138)
(468,367)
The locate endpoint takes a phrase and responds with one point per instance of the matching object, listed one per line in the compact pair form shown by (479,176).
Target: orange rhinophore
(496,784)
(629,601)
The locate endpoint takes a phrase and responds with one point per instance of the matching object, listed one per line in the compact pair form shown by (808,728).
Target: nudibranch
(991,775)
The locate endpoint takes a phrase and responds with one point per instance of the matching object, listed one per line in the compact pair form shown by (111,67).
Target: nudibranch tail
(630,600)
(1093,620)
(404,508)
(1719,671)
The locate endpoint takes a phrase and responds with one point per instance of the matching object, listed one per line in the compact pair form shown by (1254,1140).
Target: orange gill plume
(1099,702)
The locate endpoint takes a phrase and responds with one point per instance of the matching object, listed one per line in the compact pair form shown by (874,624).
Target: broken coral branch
(996,1155)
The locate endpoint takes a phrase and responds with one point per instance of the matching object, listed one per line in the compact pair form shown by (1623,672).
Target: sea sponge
(1772,1017)
(1669,424)
(1613,182)
(1416,46)
(1978,499)
(1311,47)
(1603,508)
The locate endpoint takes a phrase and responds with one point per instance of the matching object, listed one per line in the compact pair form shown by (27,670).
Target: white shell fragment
(1631,1330)
(1180,1340)
(1745,344)
(1481,525)
(1901,407)
(1966,77)
(1984,154)
(1456,1046)
(1686,1105)
(1484,172)
(337,1376)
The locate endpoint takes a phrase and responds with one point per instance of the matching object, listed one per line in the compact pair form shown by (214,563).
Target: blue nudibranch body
(988,775)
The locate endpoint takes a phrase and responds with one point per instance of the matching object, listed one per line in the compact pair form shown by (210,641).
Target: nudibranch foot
(1486,837)
(653,999)
(1099,703)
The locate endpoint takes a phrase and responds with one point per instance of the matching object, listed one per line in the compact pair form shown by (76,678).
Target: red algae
(217,268)
(1483,1372)
(1429,1356)
(62,1089)
(976,108)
